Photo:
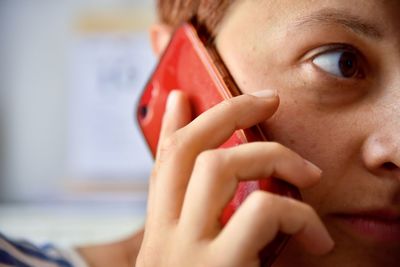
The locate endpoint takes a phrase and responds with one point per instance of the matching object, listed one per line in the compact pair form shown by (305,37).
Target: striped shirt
(25,254)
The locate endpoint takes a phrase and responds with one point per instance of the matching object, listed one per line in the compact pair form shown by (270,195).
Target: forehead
(383,14)
(285,7)
(255,23)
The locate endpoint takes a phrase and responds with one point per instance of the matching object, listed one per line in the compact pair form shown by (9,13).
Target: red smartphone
(191,63)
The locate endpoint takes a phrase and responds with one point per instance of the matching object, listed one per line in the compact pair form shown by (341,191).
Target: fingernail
(265,93)
(313,168)
(171,100)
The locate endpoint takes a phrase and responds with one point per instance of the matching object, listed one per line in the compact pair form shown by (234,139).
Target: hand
(193,181)
(121,253)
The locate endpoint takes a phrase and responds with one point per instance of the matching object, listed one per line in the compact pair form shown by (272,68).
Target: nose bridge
(390,108)
(387,112)
(381,149)
(386,106)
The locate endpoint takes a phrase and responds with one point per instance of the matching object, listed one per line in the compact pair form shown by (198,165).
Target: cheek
(301,122)
(324,136)
(301,125)
(326,139)
(295,126)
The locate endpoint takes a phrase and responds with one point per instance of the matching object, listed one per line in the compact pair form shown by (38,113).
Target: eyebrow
(334,16)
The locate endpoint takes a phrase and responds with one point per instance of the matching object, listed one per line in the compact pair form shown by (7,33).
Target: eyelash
(340,47)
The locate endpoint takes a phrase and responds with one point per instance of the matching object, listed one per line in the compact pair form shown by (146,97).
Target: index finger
(216,125)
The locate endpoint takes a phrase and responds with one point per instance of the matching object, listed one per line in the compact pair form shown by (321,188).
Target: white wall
(35,42)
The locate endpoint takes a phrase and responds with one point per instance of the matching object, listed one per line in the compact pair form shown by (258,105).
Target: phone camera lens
(143,112)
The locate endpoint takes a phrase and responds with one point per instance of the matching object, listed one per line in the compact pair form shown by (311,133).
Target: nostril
(389,166)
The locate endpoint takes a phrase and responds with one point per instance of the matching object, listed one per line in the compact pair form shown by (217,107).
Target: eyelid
(336,47)
(330,48)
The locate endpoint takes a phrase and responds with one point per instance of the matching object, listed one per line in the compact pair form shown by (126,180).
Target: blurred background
(73,165)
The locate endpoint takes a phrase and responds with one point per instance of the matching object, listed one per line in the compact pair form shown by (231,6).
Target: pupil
(348,64)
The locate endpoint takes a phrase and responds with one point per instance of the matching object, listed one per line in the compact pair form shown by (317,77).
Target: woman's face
(336,66)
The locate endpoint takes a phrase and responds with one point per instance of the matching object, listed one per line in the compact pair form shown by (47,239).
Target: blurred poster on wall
(111,60)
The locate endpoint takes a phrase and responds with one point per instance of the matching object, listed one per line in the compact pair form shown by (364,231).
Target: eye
(340,63)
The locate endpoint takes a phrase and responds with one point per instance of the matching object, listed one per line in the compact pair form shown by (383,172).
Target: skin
(348,127)
(122,253)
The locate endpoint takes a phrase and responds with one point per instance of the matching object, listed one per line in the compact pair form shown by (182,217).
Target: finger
(261,217)
(177,115)
(217,172)
(209,130)
(213,127)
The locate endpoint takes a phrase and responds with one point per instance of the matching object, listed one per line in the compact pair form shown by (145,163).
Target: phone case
(191,63)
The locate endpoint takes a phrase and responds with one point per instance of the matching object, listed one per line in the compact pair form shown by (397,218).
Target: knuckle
(170,146)
(210,159)
(171,142)
(307,209)
(276,147)
(262,201)
(228,106)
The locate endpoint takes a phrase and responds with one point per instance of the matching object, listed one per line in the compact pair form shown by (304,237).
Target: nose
(381,153)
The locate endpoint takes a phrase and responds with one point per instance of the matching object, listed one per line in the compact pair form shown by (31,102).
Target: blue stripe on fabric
(9,259)
(35,252)
(48,247)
